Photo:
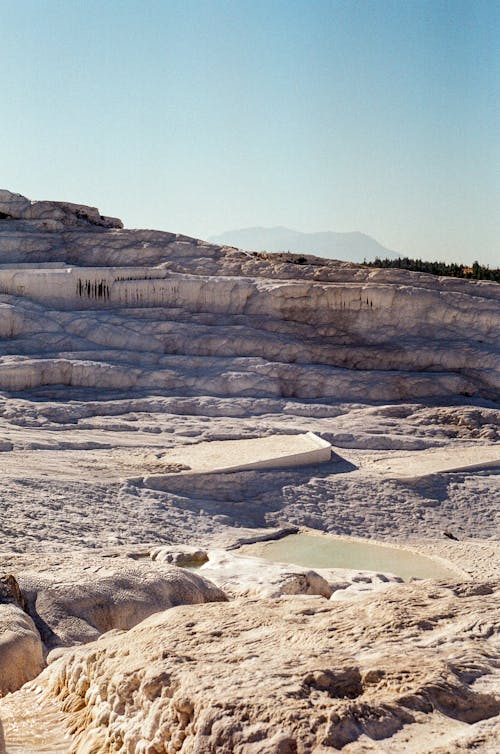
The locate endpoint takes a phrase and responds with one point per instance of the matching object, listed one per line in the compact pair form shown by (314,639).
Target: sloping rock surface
(255,577)
(52,215)
(21,649)
(84,303)
(411,670)
(75,602)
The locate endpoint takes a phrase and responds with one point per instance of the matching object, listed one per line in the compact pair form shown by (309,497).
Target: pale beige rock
(183,556)
(77,600)
(55,215)
(275,451)
(34,724)
(13,205)
(424,463)
(21,648)
(238,575)
(324,329)
(403,671)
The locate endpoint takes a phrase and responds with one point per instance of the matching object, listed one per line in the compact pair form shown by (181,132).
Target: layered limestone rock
(21,649)
(51,216)
(410,670)
(73,602)
(136,309)
(136,343)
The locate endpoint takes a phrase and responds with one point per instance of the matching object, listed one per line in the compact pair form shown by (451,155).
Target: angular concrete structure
(243,455)
(427,462)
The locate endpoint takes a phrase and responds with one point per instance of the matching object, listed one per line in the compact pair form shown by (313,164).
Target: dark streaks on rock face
(97,289)
(227,322)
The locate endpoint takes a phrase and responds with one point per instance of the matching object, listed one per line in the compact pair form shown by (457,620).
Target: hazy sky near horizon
(199,116)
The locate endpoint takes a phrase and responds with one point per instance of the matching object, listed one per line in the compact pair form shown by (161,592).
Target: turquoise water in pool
(329,552)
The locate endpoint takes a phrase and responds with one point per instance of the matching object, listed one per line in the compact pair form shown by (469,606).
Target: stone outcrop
(21,649)
(73,601)
(396,672)
(237,575)
(52,216)
(10,592)
(183,556)
(139,309)
(76,601)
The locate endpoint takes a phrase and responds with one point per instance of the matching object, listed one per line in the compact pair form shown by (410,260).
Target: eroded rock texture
(128,343)
(85,303)
(74,602)
(21,649)
(409,670)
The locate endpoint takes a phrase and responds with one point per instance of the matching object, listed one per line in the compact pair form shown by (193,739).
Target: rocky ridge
(227,678)
(87,304)
(119,346)
(276,667)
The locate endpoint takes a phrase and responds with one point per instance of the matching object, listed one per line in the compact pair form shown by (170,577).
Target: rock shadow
(433,488)
(244,498)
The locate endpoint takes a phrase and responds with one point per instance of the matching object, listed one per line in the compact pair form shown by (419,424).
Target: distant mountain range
(348,247)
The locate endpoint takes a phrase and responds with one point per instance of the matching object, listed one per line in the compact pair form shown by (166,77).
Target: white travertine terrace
(127,356)
(89,304)
(424,463)
(259,453)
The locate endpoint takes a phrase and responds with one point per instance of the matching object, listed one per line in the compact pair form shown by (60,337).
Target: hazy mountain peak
(352,246)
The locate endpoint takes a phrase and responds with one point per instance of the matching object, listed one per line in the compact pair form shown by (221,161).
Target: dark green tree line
(475,272)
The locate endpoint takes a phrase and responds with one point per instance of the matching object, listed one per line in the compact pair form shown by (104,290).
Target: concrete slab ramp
(259,453)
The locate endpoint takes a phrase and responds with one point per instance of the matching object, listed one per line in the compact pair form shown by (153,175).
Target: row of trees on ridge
(475,272)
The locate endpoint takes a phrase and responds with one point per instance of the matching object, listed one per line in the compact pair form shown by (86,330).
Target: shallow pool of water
(329,552)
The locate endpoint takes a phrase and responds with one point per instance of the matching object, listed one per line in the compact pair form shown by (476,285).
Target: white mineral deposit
(168,407)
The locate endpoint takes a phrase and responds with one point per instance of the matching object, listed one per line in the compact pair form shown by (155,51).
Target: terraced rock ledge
(132,619)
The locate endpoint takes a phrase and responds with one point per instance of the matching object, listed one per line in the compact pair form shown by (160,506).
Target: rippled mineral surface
(136,615)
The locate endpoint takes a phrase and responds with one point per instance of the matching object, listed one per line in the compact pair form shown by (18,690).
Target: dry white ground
(91,473)
(122,351)
(84,475)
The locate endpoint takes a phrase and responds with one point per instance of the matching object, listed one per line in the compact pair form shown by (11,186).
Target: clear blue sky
(199,116)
